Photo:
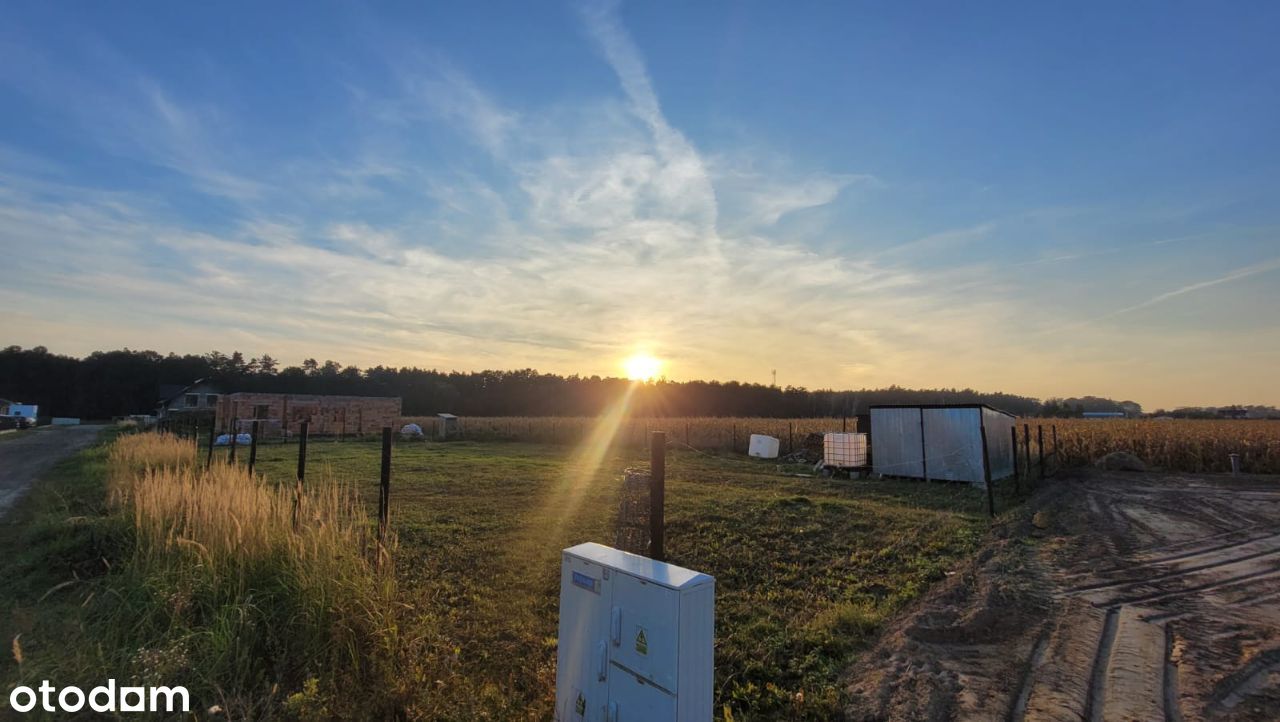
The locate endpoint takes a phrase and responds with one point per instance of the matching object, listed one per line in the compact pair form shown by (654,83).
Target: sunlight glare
(642,367)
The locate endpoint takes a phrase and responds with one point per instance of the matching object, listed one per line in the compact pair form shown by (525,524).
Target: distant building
(1103,415)
(200,395)
(4,407)
(1233,412)
(283,414)
(448,426)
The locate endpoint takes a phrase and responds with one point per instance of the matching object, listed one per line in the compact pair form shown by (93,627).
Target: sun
(642,367)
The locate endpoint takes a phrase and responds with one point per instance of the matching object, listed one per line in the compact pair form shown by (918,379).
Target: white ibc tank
(844,451)
(763,447)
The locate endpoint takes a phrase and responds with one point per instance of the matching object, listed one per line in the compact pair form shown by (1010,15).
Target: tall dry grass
(264,590)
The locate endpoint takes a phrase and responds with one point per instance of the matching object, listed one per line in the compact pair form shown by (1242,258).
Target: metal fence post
(253,446)
(1040,447)
(302,471)
(384,496)
(213,431)
(234,425)
(1017,489)
(657,495)
(1026,446)
(986,473)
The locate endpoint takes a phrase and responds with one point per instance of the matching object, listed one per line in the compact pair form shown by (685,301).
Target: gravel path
(24,459)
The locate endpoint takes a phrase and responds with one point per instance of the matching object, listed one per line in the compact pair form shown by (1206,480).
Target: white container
(763,447)
(844,451)
(636,639)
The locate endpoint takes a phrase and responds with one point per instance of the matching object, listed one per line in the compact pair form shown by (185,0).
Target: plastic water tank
(763,447)
(844,451)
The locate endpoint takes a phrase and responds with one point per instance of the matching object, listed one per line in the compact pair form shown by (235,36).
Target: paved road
(24,459)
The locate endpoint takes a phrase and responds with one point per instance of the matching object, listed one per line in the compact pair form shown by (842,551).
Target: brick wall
(283,414)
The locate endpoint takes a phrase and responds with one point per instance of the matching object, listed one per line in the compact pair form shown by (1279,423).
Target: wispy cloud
(1245,272)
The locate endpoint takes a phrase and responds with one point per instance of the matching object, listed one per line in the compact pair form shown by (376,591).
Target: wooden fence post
(657,495)
(253,446)
(384,496)
(791,436)
(733,442)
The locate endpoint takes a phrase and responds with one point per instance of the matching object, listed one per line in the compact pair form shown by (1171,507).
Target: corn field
(1170,444)
(706,433)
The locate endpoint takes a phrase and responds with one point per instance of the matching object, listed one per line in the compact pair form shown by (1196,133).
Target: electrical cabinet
(636,639)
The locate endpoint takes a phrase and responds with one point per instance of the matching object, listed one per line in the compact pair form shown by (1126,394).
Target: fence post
(1017,489)
(1040,445)
(303,432)
(791,437)
(234,425)
(253,446)
(213,431)
(844,424)
(1026,446)
(657,495)
(733,443)
(986,473)
(686,434)
(1057,459)
(384,496)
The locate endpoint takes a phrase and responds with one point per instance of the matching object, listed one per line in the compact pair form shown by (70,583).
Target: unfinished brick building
(282,414)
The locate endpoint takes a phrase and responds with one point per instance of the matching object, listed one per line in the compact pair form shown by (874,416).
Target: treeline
(115,383)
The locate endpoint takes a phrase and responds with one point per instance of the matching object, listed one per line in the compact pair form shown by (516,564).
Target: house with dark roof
(199,396)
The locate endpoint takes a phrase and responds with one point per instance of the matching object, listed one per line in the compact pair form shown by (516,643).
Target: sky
(1044,199)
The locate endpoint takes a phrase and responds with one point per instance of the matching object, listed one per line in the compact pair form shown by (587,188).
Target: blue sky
(1065,199)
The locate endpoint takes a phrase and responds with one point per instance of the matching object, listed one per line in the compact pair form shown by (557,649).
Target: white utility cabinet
(636,639)
(763,447)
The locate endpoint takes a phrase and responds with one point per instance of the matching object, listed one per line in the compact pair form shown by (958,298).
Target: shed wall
(953,444)
(896,443)
(1000,449)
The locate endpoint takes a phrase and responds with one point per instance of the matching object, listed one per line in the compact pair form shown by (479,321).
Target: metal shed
(954,442)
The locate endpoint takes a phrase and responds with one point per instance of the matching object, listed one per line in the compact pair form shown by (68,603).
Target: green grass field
(807,569)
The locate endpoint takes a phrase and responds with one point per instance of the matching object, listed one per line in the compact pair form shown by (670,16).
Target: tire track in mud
(1161,604)
(1176,573)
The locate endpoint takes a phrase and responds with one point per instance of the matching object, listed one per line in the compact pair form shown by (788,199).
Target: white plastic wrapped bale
(411,431)
(763,447)
(222,440)
(244,439)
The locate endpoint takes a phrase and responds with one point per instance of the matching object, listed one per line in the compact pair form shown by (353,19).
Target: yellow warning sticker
(642,643)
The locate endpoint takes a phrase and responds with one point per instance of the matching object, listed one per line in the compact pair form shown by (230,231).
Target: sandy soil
(1127,597)
(34,452)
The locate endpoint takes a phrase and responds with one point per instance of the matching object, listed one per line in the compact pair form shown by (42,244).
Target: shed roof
(943,406)
(447,416)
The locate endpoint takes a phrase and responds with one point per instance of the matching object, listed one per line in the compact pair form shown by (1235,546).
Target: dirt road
(1134,597)
(25,458)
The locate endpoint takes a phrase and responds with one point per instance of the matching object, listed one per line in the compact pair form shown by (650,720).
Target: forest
(106,384)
